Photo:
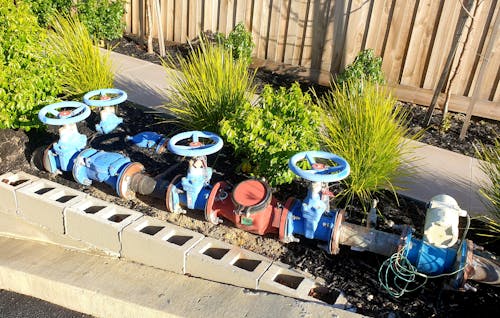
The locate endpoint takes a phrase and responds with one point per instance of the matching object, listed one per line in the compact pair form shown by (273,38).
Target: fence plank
(355,31)
(241,8)
(492,70)
(299,15)
(307,41)
(442,42)
(264,27)
(127,18)
(291,32)
(274,27)
(420,43)
(396,46)
(378,25)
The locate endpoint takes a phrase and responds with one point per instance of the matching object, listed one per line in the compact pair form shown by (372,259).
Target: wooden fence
(412,36)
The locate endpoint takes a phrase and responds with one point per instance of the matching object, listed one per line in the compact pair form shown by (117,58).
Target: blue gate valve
(193,190)
(312,218)
(149,139)
(109,120)
(113,168)
(59,156)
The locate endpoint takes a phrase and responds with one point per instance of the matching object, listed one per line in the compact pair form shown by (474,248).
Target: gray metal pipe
(366,239)
(486,270)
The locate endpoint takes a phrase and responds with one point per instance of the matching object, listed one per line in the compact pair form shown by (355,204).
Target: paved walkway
(437,171)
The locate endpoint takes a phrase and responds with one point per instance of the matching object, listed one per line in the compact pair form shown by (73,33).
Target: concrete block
(157,243)
(281,279)
(218,261)
(9,183)
(99,223)
(43,202)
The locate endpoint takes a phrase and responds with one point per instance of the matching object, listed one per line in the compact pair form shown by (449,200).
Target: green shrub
(209,87)
(268,134)
(239,41)
(83,67)
(366,67)
(28,75)
(491,167)
(46,9)
(103,18)
(366,128)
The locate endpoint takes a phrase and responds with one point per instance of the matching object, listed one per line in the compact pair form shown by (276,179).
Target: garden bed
(355,273)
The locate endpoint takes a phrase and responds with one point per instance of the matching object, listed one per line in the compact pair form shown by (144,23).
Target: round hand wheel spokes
(320,172)
(195,148)
(63,113)
(104,97)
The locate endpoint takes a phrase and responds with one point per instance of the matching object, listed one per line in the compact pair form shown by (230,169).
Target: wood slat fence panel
(412,36)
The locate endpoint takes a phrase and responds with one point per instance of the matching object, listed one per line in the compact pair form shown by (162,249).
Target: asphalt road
(13,305)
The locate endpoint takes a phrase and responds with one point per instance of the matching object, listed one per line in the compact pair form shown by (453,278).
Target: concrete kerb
(44,201)
(99,223)
(9,183)
(167,244)
(222,262)
(108,287)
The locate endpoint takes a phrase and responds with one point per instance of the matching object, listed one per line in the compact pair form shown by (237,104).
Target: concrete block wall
(129,234)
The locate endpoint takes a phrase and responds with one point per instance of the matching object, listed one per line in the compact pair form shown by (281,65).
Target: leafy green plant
(366,127)
(266,135)
(239,41)
(83,67)
(491,167)
(29,78)
(366,67)
(46,9)
(103,18)
(207,87)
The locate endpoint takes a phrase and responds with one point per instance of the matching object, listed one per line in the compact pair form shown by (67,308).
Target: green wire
(405,273)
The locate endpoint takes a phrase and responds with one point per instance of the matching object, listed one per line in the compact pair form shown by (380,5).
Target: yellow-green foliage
(208,87)
(29,78)
(84,67)
(366,128)
(491,167)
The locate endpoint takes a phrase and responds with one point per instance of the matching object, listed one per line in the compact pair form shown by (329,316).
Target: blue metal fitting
(109,120)
(60,155)
(149,139)
(111,168)
(193,190)
(429,259)
(312,218)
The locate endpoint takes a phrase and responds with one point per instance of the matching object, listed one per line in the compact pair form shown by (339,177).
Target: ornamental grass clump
(491,191)
(83,66)
(29,77)
(266,135)
(207,87)
(367,128)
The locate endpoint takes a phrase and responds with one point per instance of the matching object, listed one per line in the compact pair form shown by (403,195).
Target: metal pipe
(143,184)
(366,239)
(486,270)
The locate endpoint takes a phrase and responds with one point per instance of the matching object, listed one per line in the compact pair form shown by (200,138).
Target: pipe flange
(335,238)
(284,219)
(468,267)
(123,182)
(210,214)
(46,159)
(168,195)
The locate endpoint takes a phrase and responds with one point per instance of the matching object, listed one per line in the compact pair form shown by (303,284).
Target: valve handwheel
(104,98)
(195,148)
(63,113)
(320,172)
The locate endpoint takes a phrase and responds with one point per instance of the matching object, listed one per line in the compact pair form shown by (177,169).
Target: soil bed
(355,273)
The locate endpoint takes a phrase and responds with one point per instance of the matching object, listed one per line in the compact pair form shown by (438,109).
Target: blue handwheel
(320,172)
(63,113)
(195,148)
(105,100)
